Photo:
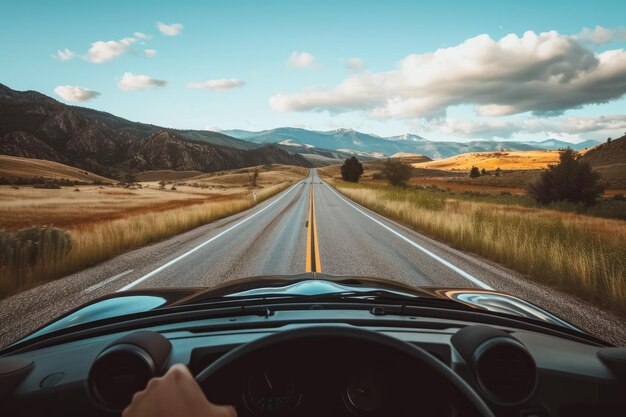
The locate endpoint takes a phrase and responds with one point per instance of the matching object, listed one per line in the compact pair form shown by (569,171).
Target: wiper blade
(367,296)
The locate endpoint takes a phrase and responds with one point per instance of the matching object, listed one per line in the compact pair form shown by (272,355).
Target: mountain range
(34,125)
(351,141)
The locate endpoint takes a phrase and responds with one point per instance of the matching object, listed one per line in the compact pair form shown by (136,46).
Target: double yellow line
(312,249)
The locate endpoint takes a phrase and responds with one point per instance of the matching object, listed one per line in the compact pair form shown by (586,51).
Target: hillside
(510,160)
(410,158)
(26,168)
(609,159)
(36,126)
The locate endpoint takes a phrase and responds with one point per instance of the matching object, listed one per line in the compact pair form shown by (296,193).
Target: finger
(179,372)
(182,368)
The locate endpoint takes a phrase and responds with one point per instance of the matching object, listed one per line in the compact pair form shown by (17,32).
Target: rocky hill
(36,126)
(167,150)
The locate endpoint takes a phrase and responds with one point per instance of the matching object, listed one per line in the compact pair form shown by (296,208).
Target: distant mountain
(409,137)
(351,141)
(344,139)
(559,144)
(36,126)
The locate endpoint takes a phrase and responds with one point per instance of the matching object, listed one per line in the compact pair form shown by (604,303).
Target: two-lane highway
(307,228)
(311,228)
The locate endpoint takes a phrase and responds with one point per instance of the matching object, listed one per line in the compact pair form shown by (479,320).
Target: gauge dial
(271,391)
(365,392)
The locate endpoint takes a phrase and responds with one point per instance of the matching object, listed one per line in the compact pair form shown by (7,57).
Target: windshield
(469,154)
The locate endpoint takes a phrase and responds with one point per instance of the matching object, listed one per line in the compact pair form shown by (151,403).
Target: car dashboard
(517,372)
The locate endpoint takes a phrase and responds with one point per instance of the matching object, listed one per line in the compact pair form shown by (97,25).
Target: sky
(444,70)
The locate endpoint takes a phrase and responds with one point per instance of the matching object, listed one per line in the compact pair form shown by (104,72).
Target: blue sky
(458,94)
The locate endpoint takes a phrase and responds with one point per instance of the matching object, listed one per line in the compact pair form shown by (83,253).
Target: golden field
(49,233)
(507,160)
(14,166)
(456,177)
(68,208)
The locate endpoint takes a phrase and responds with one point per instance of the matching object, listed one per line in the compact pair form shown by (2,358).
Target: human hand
(175,394)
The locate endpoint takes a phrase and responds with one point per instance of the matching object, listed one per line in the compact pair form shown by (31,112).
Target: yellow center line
(318,264)
(308,235)
(313,263)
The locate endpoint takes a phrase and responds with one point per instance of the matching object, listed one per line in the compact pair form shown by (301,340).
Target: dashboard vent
(118,373)
(505,371)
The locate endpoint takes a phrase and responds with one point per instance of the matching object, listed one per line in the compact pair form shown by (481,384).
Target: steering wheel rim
(425,358)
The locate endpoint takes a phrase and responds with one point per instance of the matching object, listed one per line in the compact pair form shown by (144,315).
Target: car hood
(142,300)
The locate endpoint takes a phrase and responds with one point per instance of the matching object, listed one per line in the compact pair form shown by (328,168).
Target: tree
(570,180)
(351,170)
(484,172)
(608,140)
(474,172)
(255,176)
(397,173)
(498,172)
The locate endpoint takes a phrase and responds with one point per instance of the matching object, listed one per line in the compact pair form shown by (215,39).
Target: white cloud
(132,82)
(103,51)
(216,85)
(355,64)
(601,35)
(566,127)
(300,60)
(544,73)
(170,30)
(74,93)
(141,36)
(64,54)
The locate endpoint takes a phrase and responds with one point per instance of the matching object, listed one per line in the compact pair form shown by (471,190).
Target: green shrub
(27,251)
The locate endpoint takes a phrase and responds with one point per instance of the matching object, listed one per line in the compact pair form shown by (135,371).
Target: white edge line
(426,251)
(173,261)
(108,280)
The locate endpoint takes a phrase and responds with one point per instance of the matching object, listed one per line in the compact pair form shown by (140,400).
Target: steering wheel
(412,357)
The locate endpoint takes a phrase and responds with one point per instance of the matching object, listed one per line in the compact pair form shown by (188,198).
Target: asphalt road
(274,238)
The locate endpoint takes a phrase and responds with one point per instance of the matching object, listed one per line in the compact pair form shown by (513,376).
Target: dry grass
(102,222)
(67,208)
(583,255)
(510,160)
(14,166)
(165,174)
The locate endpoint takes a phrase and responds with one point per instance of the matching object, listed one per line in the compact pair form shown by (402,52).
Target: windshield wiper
(368,296)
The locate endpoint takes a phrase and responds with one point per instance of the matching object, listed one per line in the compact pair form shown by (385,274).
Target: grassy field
(510,160)
(49,233)
(583,255)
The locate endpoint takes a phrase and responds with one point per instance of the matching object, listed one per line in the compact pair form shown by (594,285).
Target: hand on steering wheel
(175,394)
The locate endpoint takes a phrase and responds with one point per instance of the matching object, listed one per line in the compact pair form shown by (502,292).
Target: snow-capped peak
(410,137)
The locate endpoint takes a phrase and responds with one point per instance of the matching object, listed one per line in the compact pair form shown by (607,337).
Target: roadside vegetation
(396,172)
(47,234)
(583,255)
(553,234)
(351,170)
(570,180)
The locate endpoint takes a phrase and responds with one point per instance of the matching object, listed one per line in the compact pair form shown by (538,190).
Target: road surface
(309,227)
